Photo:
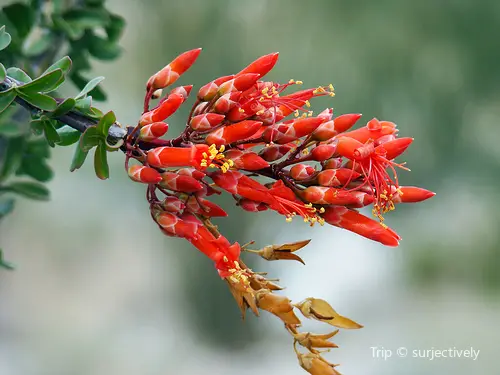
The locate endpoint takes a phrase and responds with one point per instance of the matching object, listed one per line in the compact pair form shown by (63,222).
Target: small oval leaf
(78,158)
(64,64)
(43,83)
(89,87)
(101,162)
(41,101)
(32,190)
(68,136)
(5,38)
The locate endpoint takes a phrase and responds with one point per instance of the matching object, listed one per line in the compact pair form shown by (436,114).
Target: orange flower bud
(240,83)
(246,160)
(145,175)
(325,131)
(338,197)
(343,123)
(337,177)
(323,152)
(176,182)
(205,121)
(226,102)
(301,172)
(163,111)
(172,204)
(262,65)
(170,73)
(208,91)
(232,133)
(153,131)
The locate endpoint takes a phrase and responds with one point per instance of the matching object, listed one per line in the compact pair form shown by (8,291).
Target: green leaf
(97,93)
(32,190)
(84,104)
(6,207)
(103,49)
(51,133)
(43,83)
(115,28)
(64,64)
(4,264)
(95,3)
(22,16)
(63,108)
(3,73)
(18,75)
(36,168)
(68,136)
(86,18)
(78,158)
(105,123)
(101,162)
(12,157)
(37,42)
(44,102)
(5,38)
(96,112)
(39,148)
(89,87)
(73,31)
(37,126)
(6,98)
(91,138)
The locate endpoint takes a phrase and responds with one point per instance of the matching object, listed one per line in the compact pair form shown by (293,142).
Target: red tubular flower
(325,131)
(145,175)
(301,172)
(252,206)
(153,131)
(170,73)
(165,157)
(232,133)
(343,123)
(164,110)
(411,194)
(209,91)
(337,177)
(355,222)
(204,207)
(241,82)
(205,121)
(260,142)
(176,182)
(323,152)
(262,65)
(247,160)
(226,102)
(372,131)
(173,204)
(274,152)
(337,197)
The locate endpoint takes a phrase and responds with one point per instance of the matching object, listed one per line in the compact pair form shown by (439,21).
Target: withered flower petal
(285,251)
(314,364)
(320,310)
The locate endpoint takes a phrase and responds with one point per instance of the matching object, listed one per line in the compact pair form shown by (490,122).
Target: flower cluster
(259,141)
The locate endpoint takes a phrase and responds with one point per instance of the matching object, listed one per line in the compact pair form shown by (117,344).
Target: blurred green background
(99,290)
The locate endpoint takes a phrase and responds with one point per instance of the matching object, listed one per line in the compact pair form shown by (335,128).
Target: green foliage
(31,38)
(4,264)
(5,38)
(28,189)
